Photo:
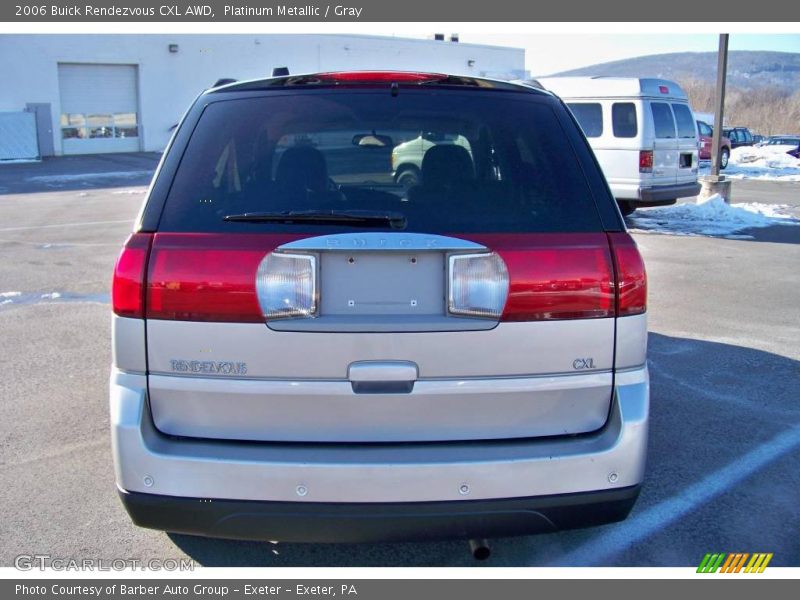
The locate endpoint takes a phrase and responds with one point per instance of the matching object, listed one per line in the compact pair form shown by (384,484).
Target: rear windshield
(662,119)
(685,121)
(434,161)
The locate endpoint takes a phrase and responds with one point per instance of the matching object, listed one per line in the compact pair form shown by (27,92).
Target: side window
(662,119)
(589,116)
(705,129)
(684,120)
(623,119)
(748,137)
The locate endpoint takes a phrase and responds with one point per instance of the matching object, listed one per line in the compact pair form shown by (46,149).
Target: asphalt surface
(724,358)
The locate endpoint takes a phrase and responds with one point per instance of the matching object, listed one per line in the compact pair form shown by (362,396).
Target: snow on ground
(765,162)
(67,177)
(710,217)
(19,161)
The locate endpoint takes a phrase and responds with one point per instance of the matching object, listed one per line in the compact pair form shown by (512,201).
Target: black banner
(392,11)
(391,589)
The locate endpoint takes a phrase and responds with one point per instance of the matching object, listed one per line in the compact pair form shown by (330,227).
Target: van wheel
(408,178)
(724,155)
(626,207)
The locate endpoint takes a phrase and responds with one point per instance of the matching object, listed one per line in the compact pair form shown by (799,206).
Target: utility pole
(716,183)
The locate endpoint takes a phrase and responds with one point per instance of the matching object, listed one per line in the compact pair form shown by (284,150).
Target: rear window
(590,117)
(623,118)
(662,119)
(705,129)
(444,162)
(684,120)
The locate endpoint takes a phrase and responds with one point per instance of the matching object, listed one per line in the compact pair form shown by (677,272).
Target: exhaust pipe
(480,549)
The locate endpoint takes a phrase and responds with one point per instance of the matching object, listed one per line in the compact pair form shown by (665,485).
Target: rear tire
(626,207)
(408,178)
(724,155)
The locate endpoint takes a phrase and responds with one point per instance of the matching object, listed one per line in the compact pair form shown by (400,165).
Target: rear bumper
(640,194)
(280,489)
(663,193)
(382,522)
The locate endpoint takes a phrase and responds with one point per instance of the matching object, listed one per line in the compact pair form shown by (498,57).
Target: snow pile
(711,216)
(765,162)
(6,297)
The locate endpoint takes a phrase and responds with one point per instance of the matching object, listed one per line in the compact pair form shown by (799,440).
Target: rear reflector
(207,277)
(286,285)
(381,77)
(127,288)
(645,161)
(631,275)
(478,285)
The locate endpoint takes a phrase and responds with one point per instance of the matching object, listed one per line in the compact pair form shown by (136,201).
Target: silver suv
(307,350)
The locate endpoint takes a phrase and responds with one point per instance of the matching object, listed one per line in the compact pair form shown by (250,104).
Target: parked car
(790,144)
(643,134)
(305,350)
(705,134)
(739,136)
(758,139)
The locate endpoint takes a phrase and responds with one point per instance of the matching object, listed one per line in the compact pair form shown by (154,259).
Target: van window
(623,119)
(685,121)
(589,116)
(662,119)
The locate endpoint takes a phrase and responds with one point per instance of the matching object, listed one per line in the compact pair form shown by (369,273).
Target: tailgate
(383,359)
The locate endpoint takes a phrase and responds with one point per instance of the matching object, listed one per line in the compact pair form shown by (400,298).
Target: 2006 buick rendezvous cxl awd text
(307,350)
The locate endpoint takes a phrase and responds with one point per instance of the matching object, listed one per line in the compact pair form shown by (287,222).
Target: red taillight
(207,277)
(127,288)
(555,276)
(645,161)
(381,77)
(631,275)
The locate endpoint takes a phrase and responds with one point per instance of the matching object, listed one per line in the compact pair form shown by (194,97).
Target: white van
(642,131)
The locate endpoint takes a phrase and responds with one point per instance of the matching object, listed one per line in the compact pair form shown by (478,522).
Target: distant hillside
(746,69)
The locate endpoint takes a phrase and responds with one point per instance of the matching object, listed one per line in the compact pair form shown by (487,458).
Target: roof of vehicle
(365,78)
(613,87)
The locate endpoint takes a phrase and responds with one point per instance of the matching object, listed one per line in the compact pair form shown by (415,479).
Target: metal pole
(722,67)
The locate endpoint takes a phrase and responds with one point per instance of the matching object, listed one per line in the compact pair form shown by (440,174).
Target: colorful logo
(735,562)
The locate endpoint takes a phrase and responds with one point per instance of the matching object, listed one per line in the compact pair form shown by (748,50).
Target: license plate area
(382,283)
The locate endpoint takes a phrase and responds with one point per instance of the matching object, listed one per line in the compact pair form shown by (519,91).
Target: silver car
(307,350)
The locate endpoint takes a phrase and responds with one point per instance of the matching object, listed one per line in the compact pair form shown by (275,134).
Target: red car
(705,133)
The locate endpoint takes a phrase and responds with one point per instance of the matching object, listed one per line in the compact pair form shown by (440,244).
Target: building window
(93,126)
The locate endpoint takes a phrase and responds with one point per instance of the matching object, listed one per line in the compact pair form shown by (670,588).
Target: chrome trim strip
(379,241)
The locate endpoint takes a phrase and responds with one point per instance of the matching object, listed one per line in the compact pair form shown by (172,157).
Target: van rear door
(687,143)
(665,145)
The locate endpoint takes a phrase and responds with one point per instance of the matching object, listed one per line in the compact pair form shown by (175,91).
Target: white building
(125,93)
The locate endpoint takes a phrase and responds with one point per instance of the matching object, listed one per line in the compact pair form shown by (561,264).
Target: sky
(546,54)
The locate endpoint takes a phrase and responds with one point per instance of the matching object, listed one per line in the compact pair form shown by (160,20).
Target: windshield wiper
(357,218)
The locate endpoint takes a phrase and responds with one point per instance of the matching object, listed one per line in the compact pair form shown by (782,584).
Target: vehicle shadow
(85,172)
(711,404)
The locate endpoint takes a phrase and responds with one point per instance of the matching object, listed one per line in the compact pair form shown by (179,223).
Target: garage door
(99,109)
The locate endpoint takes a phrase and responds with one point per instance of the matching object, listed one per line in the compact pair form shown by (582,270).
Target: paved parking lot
(724,358)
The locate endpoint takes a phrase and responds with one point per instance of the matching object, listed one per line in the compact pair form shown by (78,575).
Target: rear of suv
(306,349)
